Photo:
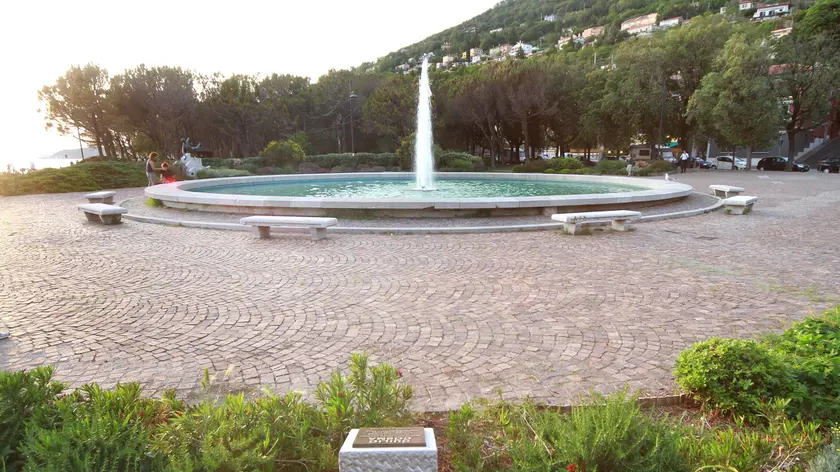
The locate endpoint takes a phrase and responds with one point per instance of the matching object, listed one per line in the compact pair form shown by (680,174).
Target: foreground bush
(802,365)
(83,177)
(21,394)
(603,434)
(93,429)
(734,375)
(607,167)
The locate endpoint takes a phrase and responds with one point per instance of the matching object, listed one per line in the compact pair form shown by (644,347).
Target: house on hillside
(476,52)
(469,29)
(640,24)
(591,32)
(526,49)
(746,5)
(497,30)
(563,41)
(771,11)
(501,51)
(448,59)
(670,22)
(446,46)
(551,18)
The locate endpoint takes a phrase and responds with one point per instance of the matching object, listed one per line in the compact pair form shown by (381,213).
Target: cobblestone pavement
(539,314)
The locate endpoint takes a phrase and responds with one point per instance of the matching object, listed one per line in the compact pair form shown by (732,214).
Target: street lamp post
(353,96)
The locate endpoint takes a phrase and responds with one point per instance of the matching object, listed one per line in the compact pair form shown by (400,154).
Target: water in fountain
(424,161)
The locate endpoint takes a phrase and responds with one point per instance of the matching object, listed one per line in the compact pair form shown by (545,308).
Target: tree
(690,53)
(158,102)
(806,72)
(234,105)
(737,104)
(389,110)
(78,100)
(526,88)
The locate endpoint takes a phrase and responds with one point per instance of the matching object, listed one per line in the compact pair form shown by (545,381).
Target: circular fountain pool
(395,194)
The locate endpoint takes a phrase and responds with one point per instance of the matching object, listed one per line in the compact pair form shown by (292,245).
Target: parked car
(702,164)
(832,164)
(780,163)
(726,163)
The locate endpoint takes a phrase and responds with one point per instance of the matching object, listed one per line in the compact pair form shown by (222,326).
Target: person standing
(151,169)
(683,162)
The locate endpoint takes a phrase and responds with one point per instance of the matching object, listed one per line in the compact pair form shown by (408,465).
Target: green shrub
(22,393)
(285,433)
(781,443)
(153,203)
(549,171)
(351,163)
(535,166)
(280,153)
(812,347)
(571,163)
(828,460)
(734,375)
(659,167)
(83,177)
(217,173)
(606,167)
(94,429)
(609,434)
(460,162)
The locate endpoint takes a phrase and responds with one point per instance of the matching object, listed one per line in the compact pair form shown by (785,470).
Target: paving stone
(534,314)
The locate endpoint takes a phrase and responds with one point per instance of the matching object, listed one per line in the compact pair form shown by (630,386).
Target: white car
(725,163)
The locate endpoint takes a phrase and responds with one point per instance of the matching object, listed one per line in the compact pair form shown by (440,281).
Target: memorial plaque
(390,437)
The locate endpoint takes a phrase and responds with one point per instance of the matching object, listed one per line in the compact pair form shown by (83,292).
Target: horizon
(192,36)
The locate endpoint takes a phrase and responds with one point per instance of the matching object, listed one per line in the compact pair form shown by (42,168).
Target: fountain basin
(620,193)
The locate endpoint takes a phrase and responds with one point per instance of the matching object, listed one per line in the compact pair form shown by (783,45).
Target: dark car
(780,163)
(832,164)
(702,164)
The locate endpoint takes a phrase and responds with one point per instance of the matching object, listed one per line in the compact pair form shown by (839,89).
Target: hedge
(83,177)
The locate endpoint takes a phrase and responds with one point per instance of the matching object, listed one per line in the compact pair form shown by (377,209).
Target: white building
(476,52)
(771,12)
(640,24)
(448,59)
(742,6)
(563,41)
(526,49)
(551,18)
(497,30)
(501,51)
(446,46)
(670,22)
(476,59)
(470,29)
(403,67)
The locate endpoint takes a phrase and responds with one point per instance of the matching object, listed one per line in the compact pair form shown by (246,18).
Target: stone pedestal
(388,459)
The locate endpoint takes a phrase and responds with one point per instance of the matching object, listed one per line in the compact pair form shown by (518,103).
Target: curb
(416,230)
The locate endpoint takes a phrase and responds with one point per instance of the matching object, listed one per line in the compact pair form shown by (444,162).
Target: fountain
(424,160)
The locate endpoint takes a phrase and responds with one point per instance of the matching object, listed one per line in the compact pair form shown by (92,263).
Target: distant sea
(59,159)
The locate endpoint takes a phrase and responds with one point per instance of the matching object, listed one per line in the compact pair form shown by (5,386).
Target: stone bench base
(317,226)
(388,459)
(740,205)
(100,212)
(619,219)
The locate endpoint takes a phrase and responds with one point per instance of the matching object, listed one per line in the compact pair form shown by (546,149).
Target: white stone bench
(740,205)
(317,226)
(106,196)
(107,214)
(620,219)
(726,190)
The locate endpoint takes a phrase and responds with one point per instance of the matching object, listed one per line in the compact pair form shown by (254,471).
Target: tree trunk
(791,149)
(527,139)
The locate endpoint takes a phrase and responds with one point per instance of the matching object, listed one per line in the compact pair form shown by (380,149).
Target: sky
(40,40)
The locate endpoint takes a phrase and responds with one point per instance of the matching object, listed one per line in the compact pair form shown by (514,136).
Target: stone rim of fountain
(178,194)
